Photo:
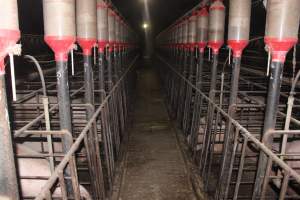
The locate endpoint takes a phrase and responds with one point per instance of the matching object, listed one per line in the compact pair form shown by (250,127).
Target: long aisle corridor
(154,166)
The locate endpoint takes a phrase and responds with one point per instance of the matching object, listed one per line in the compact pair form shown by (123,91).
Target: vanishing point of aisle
(154,165)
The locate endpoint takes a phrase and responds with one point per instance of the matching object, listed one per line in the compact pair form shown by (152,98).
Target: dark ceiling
(161,13)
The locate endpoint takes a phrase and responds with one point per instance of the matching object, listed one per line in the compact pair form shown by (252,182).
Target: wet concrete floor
(154,166)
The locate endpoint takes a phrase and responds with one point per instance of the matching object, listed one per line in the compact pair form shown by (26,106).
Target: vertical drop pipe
(102,27)
(238,38)
(60,35)
(281,35)
(86,16)
(118,68)
(192,36)
(215,41)
(111,39)
(177,66)
(202,38)
(110,70)
(9,35)
(183,71)
(176,55)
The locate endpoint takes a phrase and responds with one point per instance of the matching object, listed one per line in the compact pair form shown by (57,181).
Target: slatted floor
(154,166)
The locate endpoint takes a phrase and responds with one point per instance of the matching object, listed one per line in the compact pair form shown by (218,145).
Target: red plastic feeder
(61,46)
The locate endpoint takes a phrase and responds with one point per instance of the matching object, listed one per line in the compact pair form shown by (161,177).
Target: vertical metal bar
(266,179)
(241,169)
(90,145)
(62,184)
(63,98)
(197,102)
(210,111)
(8,179)
(49,137)
(228,137)
(189,93)
(270,120)
(74,178)
(101,76)
(48,195)
(64,101)
(284,186)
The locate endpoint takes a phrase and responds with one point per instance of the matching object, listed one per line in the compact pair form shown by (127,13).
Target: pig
(201,133)
(37,167)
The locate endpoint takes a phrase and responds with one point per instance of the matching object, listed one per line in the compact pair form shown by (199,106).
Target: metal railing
(57,179)
(205,128)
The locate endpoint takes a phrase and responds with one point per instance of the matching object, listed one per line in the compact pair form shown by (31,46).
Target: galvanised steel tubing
(225,174)
(33,93)
(181,97)
(91,142)
(8,178)
(20,132)
(210,112)
(76,145)
(270,120)
(246,134)
(120,93)
(112,107)
(197,102)
(188,95)
(174,82)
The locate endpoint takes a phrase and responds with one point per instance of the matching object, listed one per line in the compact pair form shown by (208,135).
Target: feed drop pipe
(117,57)
(60,35)
(216,40)
(86,16)
(9,35)
(202,38)
(178,66)
(102,27)
(176,60)
(238,38)
(103,43)
(114,122)
(184,71)
(192,36)
(281,35)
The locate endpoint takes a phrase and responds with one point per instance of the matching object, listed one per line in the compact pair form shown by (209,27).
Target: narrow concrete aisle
(154,167)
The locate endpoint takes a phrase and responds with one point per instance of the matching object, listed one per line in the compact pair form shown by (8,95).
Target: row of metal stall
(239,123)
(62,127)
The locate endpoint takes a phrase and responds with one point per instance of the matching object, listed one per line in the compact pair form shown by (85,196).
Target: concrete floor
(154,166)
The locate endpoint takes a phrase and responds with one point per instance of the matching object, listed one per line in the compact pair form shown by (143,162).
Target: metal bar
(69,155)
(8,178)
(228,136)
(270,120)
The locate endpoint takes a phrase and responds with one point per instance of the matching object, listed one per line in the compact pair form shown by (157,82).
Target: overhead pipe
(9,35)
(281,35)
(238,38)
